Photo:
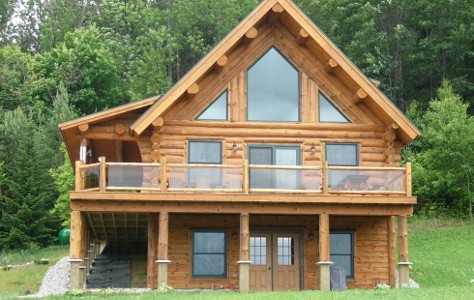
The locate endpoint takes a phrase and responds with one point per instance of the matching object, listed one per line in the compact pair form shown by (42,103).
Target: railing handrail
(104,185)
(216,166)
(355,168)
(132,164)
(285,167)
(89,166)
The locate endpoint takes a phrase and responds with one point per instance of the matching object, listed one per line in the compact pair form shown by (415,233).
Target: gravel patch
(56,281)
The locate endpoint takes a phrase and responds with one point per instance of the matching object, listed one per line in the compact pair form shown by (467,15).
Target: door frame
(300,234)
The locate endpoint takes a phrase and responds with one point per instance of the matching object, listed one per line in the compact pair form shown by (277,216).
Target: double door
(275,261)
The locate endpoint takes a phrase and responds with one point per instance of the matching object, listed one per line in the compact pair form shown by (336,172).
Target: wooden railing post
(408,179)
(325,178)
(79,180)
(163,180)
(246,183)
(102,174)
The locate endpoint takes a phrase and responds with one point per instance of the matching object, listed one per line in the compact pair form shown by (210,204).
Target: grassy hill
(442,252)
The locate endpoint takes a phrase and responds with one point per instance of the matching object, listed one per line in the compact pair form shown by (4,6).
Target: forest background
(61,59)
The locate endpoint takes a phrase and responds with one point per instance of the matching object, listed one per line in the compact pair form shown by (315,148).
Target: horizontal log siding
(370,237)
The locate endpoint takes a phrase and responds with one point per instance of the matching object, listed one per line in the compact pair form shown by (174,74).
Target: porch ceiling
(122,227)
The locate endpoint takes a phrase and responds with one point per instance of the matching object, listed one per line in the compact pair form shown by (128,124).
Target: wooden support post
(244,262)
(151,279)
(408,179)
(163,179)
(79,185)
(246,182)
(102,174)
(163,250)
(76,241)
(119,151)
(403,263)
(302,37)
(391,251)
(324,253)
(325,178)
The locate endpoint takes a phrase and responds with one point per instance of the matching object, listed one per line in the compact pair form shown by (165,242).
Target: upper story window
(217,110)
(328,112)
(273,89)
(342,154)
(205,152)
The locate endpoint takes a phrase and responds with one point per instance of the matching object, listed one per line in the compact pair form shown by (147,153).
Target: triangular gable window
(329,113)
(273,89)
(217,110)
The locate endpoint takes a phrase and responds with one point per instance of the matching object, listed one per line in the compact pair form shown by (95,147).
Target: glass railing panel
(285,178)
(90,177)
(376,181)
(205,177)
(136,176)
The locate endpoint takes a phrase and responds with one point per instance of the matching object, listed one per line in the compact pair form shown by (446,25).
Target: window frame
(274,147)
(357,149)
(193,275)
(205,141)
(298,94)
(335,107)
(352,254)
(226,91)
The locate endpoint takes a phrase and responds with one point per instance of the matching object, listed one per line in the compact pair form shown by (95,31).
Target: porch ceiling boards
(118,226)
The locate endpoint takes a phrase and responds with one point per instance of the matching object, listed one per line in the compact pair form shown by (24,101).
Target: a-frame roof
(384,107)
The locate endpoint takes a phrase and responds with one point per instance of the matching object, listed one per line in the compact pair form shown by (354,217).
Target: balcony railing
(174,178)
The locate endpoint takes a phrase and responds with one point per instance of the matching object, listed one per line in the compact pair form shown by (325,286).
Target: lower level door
(275,261)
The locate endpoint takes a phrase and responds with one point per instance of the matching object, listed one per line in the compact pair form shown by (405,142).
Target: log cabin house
(268,162)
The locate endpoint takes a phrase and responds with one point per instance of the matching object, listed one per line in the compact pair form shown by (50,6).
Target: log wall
(371,248)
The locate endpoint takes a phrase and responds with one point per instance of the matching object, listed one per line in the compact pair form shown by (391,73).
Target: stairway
(110,271)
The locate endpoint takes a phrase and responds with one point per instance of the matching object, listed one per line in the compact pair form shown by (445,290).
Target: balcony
(241,179)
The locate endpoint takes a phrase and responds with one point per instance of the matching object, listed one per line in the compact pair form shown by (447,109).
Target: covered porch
(304,231)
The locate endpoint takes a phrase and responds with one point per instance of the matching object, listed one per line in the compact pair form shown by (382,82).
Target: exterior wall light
(313,149)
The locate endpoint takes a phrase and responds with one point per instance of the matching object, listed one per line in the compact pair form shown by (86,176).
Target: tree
(64,181)
(444,172)
(26,191)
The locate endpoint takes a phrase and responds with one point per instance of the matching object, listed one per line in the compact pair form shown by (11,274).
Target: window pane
(285,251)
(209,242)
(209,254)
(209,264)
(328,112)
(344,261)
(205,152)
(258,250)
(341,243)
(341,154)
(273,89)
(217,110)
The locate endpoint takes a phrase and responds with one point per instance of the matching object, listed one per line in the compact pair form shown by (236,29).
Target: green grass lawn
(442,253)
(20,280)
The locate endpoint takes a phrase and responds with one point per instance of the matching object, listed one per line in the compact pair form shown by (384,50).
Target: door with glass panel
(275,261)
(270,178)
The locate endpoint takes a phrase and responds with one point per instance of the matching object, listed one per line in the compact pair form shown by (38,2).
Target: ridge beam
(275,13)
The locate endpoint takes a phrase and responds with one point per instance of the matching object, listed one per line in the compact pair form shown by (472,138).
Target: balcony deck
(252,185)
